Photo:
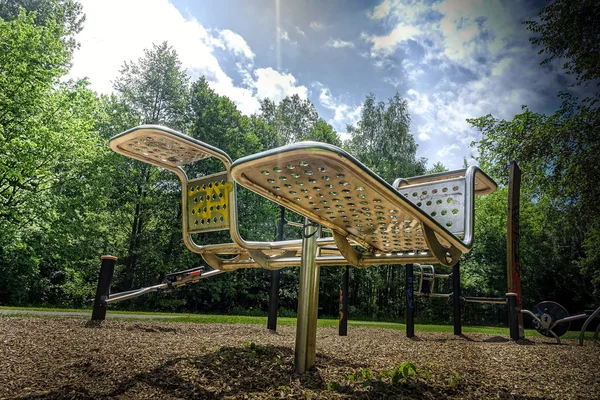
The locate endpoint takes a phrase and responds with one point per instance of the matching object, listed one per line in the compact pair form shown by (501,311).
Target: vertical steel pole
(275,278)
(513,261)
(308,300)
(456,298)
(343,326)
(513,316)
(410,302)
(103,290)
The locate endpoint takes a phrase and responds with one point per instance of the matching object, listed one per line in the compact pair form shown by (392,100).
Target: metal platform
(332,188)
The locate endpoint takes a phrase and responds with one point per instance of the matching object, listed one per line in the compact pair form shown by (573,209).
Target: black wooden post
(103,290)
(343,326)
(456,298)
(513,261)
(410,302)
(513,316)
(275,278)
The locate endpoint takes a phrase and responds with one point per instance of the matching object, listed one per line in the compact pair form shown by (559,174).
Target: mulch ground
(64,359)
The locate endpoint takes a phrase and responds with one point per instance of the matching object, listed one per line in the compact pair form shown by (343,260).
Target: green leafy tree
(66,14)
(47,145)
(294,119)
(558,153)
(437,167)
(381,139)
(569,30)
(152,90)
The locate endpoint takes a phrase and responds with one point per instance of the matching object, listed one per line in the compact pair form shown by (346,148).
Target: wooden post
(456,300)
(343,325)
(103,289)
(513,261)
(410,302)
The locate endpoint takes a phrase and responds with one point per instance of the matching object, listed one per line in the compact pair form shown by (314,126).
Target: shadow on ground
(235,372)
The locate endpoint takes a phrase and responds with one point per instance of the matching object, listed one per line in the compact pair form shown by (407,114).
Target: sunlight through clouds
(103,51)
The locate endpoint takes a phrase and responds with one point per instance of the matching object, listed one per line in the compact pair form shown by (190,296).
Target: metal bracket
(446,256)
(349,252)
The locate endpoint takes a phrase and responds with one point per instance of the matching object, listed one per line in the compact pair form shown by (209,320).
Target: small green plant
(455,380)
(333,386)
(403,372)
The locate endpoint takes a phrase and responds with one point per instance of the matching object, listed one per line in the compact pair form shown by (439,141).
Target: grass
(322,322)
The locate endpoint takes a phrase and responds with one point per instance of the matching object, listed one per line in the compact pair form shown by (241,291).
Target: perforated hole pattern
(322,186)
(444,201)
(163,149)
(208,203)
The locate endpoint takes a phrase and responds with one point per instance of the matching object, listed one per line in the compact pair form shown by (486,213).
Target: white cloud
(343,114)
(447,150)
(317,26)
(275,85)
(338,43)
(418,103)
(300,31)
(103,51)
(382,45)
(283,35)
(381,10)
(501,66)
(236,44)
(423,136)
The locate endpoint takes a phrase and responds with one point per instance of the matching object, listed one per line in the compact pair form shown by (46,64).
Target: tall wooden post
(456,299)
(343,324)
(410,301)
(103,289)
(513,261)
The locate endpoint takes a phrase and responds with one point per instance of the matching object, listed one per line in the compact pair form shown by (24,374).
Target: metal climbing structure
(421,220)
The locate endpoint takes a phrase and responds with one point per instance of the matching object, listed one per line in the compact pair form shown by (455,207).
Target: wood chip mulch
(63,359)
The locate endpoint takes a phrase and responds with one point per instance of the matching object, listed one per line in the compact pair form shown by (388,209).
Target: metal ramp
(431,218)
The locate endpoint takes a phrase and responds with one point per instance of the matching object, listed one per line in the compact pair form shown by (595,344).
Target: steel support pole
(275,278)
(103,290)
(343,326)
(456,298)
(513,316)
(308,300)
(410,302)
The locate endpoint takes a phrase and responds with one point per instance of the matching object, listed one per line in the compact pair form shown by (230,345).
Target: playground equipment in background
(430,220)
(552,320)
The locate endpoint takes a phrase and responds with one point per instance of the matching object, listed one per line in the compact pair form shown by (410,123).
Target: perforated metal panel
(164,149)
(208,203)
(336,193)
(443,200)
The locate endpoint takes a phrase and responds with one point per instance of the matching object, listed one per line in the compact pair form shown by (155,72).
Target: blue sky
(451,59)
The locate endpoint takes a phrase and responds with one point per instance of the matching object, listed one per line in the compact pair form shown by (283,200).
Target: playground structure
(422,220)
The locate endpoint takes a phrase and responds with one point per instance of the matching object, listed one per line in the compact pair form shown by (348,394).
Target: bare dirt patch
(64,359)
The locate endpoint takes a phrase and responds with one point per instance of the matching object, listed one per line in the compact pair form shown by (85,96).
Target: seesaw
(421,220)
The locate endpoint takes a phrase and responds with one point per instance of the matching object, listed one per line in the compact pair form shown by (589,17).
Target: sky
(450,59)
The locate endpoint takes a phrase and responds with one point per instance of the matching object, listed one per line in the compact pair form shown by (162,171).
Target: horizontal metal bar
(120,297)
(336,260)
(440,295)
(572,318)
(494,300)
(117,297)
(425,274)
(300,225)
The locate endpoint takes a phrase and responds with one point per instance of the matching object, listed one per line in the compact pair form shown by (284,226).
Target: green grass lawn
(241,319)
